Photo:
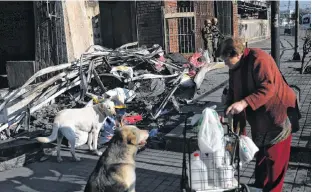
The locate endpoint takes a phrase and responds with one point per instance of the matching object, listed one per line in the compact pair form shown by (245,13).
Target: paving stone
(301,176)
(307,189)
(290,175)
(287,187)
(244,179)
(297,188)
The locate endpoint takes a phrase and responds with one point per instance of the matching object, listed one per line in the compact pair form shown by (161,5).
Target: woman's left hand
(237,107)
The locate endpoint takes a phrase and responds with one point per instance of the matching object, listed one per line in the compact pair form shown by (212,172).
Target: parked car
(306,22)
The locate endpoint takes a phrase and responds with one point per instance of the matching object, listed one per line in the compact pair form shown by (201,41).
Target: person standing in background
(207,37)
(216,37)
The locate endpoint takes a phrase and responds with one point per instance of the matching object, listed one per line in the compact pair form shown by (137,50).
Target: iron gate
(223,11)
(179,29)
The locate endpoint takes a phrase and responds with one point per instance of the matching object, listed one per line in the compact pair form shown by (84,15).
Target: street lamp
(296,55)
(275,37)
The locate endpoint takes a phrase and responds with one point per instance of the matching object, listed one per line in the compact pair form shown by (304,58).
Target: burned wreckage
(145,83)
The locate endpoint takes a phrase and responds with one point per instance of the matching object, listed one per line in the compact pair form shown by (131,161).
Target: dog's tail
(52,137)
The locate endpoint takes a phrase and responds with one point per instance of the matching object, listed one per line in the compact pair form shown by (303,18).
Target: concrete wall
(78,26)
(254,29)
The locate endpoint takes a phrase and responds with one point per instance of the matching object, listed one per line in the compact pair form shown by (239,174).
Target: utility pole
(275,32)
(296,56)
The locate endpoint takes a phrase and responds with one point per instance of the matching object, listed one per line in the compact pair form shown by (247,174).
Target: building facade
(54,32)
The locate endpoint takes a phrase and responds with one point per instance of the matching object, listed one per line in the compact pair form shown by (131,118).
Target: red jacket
(258,80)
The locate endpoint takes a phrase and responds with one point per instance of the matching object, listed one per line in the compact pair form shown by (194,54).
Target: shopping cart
(217,179)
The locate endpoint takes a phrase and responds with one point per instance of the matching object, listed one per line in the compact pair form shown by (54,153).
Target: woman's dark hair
(231,47)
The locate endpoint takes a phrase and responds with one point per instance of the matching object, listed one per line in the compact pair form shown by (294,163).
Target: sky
(302,4)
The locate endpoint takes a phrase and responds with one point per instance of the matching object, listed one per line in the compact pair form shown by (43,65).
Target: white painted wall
(78,26)
(254,29)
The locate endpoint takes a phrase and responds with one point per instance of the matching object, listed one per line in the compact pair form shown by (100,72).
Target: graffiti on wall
(253,29)
(263,29)
(242,28)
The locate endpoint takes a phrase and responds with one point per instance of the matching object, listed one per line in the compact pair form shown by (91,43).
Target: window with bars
(180,28)
(186,34)
(185,6)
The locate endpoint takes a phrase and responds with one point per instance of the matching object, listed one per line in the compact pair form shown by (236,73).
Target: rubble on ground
(145,80)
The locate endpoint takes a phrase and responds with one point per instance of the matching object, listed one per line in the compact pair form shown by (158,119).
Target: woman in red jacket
(258,93)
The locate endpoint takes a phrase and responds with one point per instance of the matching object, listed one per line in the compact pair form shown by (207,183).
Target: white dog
(75,123)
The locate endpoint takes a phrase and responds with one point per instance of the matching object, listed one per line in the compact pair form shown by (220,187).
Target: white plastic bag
(121,95)
(200,76)
(247,149)
(206,55)
(210,132)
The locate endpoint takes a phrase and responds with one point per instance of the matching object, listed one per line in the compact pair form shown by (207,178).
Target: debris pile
(144,80)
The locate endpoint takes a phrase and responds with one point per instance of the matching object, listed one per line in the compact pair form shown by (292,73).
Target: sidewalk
(161,170)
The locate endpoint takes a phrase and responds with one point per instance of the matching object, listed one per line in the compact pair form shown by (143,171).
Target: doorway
(224,15)
(117,22)
(17,29)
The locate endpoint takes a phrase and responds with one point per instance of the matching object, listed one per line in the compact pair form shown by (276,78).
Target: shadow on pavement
(156,171)
(48,176)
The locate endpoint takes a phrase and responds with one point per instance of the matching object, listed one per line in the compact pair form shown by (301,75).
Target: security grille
(179,28)
(186,34)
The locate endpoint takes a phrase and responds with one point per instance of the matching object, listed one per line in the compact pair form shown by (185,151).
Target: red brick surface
(235,20)
(171,6)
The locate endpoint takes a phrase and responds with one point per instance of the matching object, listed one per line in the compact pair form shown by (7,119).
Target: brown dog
(115,170)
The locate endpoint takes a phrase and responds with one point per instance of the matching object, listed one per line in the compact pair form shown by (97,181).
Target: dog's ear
(129,136)
(132,139)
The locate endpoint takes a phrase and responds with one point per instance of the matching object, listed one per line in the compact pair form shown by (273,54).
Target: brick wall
(150,24)
(171,3)
(173,40)
(173,35)
(149,20)
(235,23)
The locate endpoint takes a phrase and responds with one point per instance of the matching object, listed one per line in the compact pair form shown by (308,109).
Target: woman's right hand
(221,118)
